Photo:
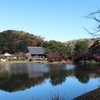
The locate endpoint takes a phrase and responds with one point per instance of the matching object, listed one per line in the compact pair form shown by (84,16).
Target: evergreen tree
(55,46)
(80,47)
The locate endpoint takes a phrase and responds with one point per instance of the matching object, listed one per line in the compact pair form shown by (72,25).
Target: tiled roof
(35,50)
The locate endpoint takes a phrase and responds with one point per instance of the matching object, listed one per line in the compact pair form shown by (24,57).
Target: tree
(95,47)
(53,56)
(55,46)
(81,47)
(13,41)
(96,17)
(70,50)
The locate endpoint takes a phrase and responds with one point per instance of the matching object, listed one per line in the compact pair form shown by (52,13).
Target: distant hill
(90,41)
(14,41)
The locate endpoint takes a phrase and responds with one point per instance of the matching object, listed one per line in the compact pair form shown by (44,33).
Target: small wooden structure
(36,53)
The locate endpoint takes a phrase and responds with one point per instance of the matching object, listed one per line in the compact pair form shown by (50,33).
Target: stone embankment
(92,95)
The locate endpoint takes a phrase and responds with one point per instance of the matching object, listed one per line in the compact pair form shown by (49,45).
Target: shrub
(30,59)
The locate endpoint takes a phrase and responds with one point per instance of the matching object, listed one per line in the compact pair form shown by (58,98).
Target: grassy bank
(42,62)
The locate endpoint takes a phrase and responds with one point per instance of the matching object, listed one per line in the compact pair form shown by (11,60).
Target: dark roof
(35,50)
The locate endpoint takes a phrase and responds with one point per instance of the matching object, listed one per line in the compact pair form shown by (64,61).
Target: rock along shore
(92,95)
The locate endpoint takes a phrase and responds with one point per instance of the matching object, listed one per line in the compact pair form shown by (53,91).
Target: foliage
(93,65)
(55,46)
(53,56)
(57,97)
(17,41)
(30,59)
(70,50)
(70,45)
(95,47)
(54,97)
(81,47)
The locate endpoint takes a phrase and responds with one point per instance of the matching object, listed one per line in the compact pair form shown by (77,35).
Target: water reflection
(25,76)
(59,77)
(82,77)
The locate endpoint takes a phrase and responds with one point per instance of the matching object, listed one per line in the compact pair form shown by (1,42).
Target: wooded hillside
(14,41)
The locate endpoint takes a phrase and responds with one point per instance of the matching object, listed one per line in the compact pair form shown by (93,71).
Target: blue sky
(60,20)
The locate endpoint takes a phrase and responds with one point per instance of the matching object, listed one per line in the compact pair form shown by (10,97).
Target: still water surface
(42,81)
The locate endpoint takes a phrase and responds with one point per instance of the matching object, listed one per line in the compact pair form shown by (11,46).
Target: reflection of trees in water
(82,77)
(58,66)
(14,83)
(84,74)
(20,82)
(57,74)
(95,72)
(58,78)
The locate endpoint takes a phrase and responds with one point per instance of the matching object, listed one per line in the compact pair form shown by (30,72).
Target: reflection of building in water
(37,70)
(5,66)
(33,70)
(15,68)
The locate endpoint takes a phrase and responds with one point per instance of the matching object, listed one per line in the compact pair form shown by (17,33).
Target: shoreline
(92,95)
(41,62)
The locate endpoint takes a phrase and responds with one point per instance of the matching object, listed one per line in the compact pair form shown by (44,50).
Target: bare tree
(96,17)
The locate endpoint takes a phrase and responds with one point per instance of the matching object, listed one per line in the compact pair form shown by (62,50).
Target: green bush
(30,59)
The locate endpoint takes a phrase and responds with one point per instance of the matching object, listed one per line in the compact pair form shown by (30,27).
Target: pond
(42,81)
